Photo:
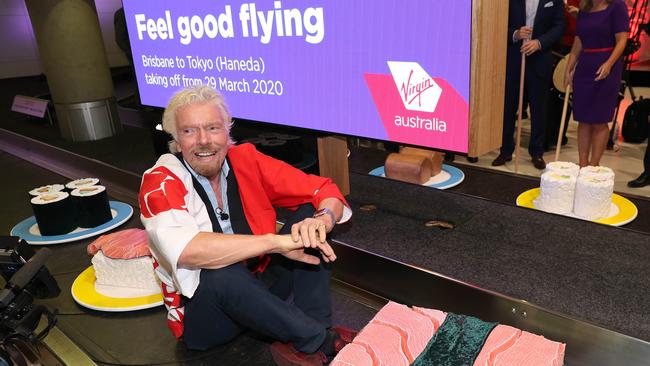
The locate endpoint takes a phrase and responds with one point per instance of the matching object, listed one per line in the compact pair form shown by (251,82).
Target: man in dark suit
(534,26)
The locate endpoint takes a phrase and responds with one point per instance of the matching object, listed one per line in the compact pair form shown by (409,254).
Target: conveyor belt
(493,185)
(588,271)
(141,337)
(587,344)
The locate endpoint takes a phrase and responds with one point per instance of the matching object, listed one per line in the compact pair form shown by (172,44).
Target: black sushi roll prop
(92,205)
(80,183)
(55,213)
(50,188)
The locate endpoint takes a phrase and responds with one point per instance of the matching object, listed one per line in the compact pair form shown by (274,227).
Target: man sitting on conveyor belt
(209,212)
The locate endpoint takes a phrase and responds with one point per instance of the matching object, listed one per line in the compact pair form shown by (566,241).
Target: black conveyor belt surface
(589,271)
(490,184)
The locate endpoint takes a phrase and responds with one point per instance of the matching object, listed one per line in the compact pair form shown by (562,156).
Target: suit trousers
(537,88)
(289,302)
(646,158)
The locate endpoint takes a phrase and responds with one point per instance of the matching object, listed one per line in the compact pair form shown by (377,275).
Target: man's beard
(207,169)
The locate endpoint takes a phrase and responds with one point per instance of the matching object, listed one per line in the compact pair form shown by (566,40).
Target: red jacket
(265,183)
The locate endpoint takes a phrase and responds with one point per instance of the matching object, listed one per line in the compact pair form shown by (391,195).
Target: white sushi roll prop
(602,172)
(82,182)
(563,167)
(50,188)
(593,197)
(557,193)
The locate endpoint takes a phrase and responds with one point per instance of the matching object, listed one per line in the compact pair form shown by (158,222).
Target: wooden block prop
(434,156)
(333,161)
(408,168)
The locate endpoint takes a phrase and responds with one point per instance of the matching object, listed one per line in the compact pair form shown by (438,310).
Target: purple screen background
(324,87)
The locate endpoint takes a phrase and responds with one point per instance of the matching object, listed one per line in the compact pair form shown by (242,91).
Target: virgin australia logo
(418,90)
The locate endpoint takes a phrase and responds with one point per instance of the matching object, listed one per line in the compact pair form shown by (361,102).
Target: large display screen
(396,70)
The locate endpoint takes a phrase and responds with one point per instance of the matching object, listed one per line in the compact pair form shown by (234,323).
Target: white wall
(19,50)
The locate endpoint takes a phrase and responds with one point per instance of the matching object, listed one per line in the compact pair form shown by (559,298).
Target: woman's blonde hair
(196,94)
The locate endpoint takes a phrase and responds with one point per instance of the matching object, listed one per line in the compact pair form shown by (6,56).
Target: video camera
(26,278)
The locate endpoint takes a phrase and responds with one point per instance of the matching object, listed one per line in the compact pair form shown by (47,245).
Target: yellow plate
(84,293)
(623,211)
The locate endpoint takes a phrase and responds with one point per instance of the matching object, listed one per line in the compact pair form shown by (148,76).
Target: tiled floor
(627,162)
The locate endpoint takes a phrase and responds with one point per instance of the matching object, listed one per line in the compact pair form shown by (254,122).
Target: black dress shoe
(538,162)
(642,181)
(472,160)
(501,160)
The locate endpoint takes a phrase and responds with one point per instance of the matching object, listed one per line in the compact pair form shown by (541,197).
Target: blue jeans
(231,299)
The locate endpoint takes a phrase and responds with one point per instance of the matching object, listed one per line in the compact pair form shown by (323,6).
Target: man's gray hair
(194,95)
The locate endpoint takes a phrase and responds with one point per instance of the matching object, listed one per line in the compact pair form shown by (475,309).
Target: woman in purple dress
(594,69)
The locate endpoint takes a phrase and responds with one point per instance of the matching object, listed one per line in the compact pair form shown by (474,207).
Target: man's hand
(295,249)
(530,47)
(311,231)
(568,77)
(300,255)
(523,33)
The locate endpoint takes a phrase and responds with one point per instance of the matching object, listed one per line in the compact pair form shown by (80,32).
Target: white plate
(448,177)
(622,211)
(28,229)
(85,293)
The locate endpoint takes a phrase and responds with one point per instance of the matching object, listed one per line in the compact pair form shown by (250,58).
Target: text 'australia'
(429,124)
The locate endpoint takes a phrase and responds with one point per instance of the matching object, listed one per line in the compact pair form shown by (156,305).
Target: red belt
(594,50)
